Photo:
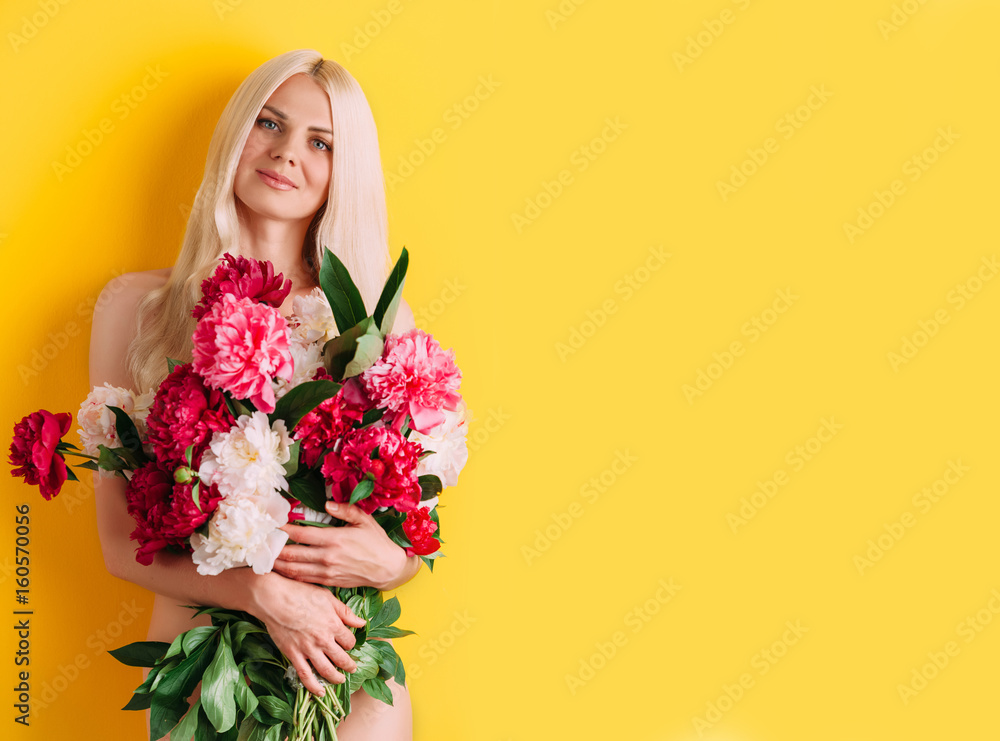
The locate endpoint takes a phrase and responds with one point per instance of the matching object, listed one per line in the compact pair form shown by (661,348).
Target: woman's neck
(279,242)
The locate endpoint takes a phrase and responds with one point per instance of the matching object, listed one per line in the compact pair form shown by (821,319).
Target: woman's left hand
(357,554)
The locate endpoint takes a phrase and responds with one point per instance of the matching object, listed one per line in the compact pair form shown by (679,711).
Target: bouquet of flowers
(270,420)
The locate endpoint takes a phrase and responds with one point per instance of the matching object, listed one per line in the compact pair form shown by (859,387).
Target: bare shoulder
(114,323)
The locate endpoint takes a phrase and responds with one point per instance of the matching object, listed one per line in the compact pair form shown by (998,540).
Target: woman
(293,166)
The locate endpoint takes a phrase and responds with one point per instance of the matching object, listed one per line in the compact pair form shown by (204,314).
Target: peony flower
(164,512)
(34,450)
(249,459)
(447,440)
(240,346)
(326,424)
(242,278)
(97,422)
(312,318)
(415,375)
(394,469)
(307,359)
(420,529)
(184,412)
(243,531)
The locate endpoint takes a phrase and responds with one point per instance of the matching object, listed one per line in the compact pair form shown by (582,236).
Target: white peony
(447,440)
(97,422)
(249,459)
(244,531)
(307,358)
(314,320)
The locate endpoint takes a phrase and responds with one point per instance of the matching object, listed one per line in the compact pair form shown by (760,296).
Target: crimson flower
(420,529)
(34,450)
(242,278)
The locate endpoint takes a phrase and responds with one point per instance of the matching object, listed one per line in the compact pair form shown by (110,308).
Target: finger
(351,513)
(315,574)
(339,656)
(306,534)
(306,675)
(327,670)
(300,553)
(344,613)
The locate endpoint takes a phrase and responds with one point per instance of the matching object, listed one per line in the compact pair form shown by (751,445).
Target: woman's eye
(323,145)
(264,122)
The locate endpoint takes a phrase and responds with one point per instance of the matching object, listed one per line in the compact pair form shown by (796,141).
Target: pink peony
(164,512)
(242,278)
(33,450)
(415,375)
(394,469)
(240,346)
(420,529)
(185,412)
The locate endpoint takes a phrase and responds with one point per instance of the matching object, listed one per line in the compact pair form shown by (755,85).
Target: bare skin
(281,180)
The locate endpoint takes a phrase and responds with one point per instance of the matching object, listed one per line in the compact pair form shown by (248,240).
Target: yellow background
(543,570)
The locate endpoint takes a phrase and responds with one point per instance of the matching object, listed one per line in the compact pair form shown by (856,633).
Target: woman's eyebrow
(284,117)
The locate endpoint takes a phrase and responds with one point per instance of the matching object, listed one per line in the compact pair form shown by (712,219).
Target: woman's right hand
(309,626)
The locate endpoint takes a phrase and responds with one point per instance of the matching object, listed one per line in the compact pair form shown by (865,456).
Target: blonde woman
(293,167)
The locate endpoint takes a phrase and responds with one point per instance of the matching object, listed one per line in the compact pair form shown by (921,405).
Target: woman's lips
(274,180)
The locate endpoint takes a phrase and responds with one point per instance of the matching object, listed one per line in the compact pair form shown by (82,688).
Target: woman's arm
(306,622)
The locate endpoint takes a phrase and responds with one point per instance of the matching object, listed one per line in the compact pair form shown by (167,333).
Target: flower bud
(184,475)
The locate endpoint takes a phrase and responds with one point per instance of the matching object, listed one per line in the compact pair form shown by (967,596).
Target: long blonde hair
(352,223)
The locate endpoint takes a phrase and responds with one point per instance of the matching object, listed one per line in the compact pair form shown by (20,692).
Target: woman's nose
(283,148)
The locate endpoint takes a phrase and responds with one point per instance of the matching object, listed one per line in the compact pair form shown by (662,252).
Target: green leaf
(240,630)
(248,729)
(373,601)
(91,465)
(277,708)
(173,363)
(369,349)
(387,614)
(310,490)
(301,400)
(126,430)
(246,699)
(139,701)
(70,475)
(164,714)
(141,653)
(392,293)
(430,486)
(110,460)
(389,631)
(293,459)
(372,416)
(218,687)
(344,297)
(364,489)
(179,682)
(340,351)
(186,728)
(377,689)
(191,639)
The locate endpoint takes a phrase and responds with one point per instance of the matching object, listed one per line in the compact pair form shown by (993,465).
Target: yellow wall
(582,235)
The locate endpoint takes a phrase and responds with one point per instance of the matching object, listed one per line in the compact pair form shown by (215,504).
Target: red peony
(241,277)
(33,450)
(394,470)
(420,529)
(164,512)
(327,423)
(185,412)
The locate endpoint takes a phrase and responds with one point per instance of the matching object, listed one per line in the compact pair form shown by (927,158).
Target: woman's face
(284,171)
